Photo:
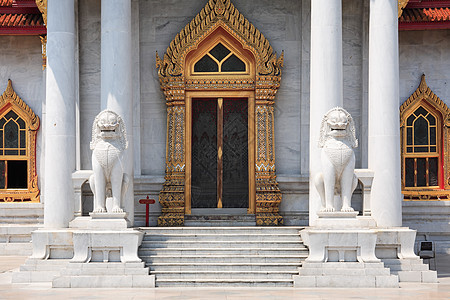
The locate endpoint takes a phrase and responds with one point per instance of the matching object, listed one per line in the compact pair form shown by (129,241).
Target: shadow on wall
(87,199)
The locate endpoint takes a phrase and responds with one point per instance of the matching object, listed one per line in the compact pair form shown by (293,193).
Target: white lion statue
(109,140)
(337,140)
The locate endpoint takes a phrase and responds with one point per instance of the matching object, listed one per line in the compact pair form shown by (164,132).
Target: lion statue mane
(109,140)
(337,140)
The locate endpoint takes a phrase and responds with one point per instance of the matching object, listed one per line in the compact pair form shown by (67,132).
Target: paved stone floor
(8,264)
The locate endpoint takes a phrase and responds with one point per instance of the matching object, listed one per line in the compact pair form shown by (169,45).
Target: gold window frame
(10,101)
(207,46)
(423,96)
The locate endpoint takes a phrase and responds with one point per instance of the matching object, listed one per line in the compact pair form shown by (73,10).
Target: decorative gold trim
(401,5)
(42,6)
(218,13)
(424,96)
(11,101)
(44,51)
(220,21)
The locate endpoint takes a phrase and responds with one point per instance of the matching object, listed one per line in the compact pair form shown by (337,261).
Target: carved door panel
(219,153)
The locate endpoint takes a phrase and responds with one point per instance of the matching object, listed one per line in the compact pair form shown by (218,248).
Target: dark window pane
(206,64)
(409,170)
(432,135)
(431,119)
(219,52)
(433,171)
(421,172)
(2,123)
(23,152)
(23,144)
(409,149)
(420,149)
(410,120)
(1,139)
(409,136)
(11,115)
(421,131)
(21,123)
(204,153)
(432,149)
(11,152)
(2,174)
(233,64)
(420,111)
(17,174)
(1,152)
(235,153)
(11,135)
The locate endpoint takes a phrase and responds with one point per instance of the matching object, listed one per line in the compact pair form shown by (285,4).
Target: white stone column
(60,114)
(326,90)
(384,123)
(116,92)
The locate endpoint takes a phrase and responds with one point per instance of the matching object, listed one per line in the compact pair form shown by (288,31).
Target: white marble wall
(21,61)
(89,49)
(425,52)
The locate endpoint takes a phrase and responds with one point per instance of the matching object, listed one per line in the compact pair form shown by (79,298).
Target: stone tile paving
(44,291)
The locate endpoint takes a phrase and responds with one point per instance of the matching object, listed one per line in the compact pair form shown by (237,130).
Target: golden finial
(423,84)
(9,89)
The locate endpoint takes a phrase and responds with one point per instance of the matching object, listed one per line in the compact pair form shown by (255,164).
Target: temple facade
(222,102)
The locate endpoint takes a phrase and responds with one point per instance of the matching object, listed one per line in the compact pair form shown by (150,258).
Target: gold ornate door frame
(220,21)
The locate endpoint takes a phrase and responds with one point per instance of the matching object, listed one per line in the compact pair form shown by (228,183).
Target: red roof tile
(13,20)
(6,2)
(425,15)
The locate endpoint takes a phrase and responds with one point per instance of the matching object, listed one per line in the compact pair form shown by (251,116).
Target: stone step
(201,282)
(397,261)
(183,276)
(346,265)
(223,256)
(104,271)
(20,249)
(35,270)
(34,276)
(416,276)
(221,230)
(226,237)
(219,251)
(219,220)
(181,267)
(99,281)
(21,213)
(226,258)
(343,271)
(217,244)
(346,281)
(407,267)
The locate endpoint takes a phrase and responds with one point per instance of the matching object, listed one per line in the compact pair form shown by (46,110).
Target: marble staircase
(17,221)
(223,256)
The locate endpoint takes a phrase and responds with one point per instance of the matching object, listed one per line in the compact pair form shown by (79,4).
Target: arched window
(424,167)
(422,149)
(219,60)
(18,128)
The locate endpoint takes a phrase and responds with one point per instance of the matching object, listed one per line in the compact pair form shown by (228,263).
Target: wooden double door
(220,153)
